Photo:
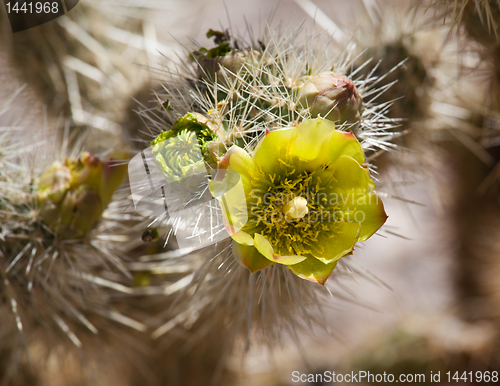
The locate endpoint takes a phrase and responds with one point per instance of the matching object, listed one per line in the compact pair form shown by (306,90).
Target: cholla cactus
(61,244)
(254,98)
(479,17)
(292,93)
(403,48)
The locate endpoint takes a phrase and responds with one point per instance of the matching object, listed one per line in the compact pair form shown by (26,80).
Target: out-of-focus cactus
(482,22)
(83,66)
(481,18)
(72,195)
(402,47)
(62,240)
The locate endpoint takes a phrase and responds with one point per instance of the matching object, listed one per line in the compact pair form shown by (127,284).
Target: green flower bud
(87,210)
(332,97)
(183,151)
(72,195)
(55,182)
(179,157)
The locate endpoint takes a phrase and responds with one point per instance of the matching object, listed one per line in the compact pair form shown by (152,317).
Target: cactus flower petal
(264,246)
(375,216)
(238,160)
(250,257)
(230,192)
(289,260)
(313,270)
(343,143)
(349,178)
(273,151)
(337,243)
(311,141)
(242,238)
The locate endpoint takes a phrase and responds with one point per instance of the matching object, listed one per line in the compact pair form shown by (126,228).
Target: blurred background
(430,300)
